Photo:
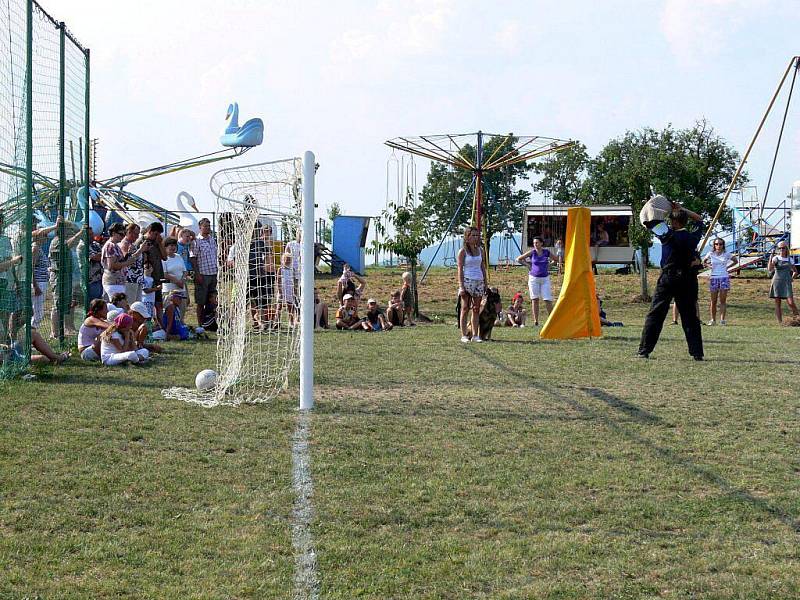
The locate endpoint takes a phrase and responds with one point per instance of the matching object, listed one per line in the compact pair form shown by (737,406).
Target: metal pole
(26,291)
(446,233)
(63,301)
(307,286)
(86,176)
(747,154)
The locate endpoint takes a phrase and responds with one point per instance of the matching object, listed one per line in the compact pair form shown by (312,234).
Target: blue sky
(341,77)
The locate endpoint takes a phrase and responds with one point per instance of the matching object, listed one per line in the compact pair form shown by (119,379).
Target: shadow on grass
(667,454)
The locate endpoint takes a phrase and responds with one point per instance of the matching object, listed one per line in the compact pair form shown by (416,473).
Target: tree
(502,201)
(412,234)
(563,175)
(691,166)
(334,210)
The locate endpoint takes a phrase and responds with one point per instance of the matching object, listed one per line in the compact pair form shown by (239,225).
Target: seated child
(395,313)
(515,315)
(120,300)
(209,317)
(347,315)
(143,328)
(91,328)
(320,312)
(172,319)
(374,319)
(118,343)
(603,320)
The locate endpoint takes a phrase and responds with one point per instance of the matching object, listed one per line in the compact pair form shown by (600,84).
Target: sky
(341,77)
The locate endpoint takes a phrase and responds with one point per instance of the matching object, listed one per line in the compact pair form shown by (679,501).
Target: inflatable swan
(188,220)
(247,136)
(96,222)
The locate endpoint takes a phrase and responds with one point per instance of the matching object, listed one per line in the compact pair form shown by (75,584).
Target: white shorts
(110,290)
(539,288)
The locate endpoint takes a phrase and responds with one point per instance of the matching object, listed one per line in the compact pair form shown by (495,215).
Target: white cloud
(698,29)
(508,37)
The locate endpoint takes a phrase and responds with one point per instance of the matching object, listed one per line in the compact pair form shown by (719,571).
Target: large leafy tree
(563,175)
(503,201)
(691,166)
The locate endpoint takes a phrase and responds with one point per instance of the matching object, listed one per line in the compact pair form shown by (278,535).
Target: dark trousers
(683,288)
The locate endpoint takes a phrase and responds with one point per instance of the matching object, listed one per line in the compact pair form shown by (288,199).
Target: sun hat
(123,320)
(347,296)
(114,313)
(372,301)
(141,308)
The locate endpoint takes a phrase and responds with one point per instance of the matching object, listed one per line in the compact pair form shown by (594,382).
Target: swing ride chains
(794,64)
(439,148)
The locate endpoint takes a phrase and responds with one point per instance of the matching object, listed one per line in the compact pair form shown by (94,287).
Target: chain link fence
(44,183)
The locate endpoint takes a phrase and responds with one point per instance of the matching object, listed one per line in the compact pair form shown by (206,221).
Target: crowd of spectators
(137,290)
(350,289)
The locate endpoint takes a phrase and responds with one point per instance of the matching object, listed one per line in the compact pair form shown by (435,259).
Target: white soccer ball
(205,380)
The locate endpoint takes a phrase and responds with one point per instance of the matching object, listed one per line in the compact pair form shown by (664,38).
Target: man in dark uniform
(678,280)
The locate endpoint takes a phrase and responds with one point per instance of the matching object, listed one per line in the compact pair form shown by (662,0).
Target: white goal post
(265,284)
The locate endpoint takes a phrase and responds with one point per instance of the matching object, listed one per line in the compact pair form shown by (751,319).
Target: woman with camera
(115,262)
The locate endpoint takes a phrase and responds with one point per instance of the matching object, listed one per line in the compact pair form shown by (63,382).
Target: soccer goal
(265,297)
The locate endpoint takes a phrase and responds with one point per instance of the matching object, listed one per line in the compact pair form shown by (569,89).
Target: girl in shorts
(472,282)
(539,277)
(720,282)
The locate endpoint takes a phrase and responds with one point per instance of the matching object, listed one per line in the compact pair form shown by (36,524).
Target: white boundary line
(306,581)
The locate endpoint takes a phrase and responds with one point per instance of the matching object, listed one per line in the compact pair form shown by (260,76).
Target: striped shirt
(41,269)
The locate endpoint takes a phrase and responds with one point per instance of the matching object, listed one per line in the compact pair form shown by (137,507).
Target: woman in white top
(720,282)
(174,273)
(472,282)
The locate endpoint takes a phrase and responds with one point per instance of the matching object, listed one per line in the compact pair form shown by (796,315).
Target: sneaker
(674,322)
(523,325)
(536,323)
(711,322)
(643,355)
(723,322)
(464,339)
(697,357)
(476,338)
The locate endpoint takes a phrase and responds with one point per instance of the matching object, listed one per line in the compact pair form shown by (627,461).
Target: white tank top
(472,265)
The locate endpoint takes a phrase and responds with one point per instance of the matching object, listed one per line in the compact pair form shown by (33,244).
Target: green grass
(513,469)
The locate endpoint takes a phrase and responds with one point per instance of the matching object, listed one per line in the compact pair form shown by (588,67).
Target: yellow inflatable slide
(576,313)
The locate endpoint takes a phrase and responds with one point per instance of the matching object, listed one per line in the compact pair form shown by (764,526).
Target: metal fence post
(89,233)
(61,275)
(26,285)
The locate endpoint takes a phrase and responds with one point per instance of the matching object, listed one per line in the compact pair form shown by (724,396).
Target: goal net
(258,340)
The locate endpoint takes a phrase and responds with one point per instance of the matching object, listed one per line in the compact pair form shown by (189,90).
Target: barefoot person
(720,282)
(781,268)
(539,276)
(471,281)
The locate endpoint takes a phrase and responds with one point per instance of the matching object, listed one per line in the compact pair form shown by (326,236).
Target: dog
(491,306)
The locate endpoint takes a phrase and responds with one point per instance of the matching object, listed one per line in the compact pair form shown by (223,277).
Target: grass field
(512,469)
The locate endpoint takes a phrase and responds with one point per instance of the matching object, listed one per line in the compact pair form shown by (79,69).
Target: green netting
(41,279)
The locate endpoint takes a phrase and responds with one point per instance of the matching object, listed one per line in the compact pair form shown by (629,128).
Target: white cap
(141,308)
(372,301)
(113,314)
(347,296)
